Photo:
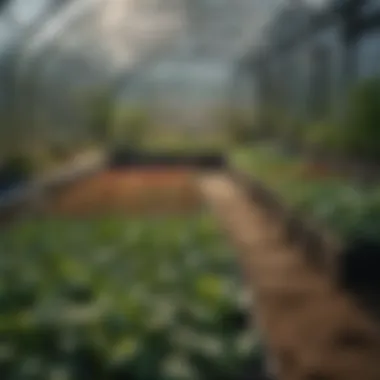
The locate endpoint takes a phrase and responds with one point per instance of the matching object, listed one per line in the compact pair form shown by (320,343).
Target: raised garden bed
(134,191)
(122,298)
(24,194)
(346,209)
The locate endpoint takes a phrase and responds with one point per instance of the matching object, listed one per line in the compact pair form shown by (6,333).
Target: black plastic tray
(124,159)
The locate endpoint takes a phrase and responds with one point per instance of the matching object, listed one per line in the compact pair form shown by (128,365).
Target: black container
(359,266)
(14,173)
(122,158)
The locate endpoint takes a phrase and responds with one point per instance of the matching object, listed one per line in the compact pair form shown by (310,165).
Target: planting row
(134,191)
(350,209)
(149,298)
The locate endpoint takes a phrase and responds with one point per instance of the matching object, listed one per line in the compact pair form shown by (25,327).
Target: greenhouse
(188,190)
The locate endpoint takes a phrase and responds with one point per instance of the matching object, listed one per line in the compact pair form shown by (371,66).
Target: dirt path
(312,330)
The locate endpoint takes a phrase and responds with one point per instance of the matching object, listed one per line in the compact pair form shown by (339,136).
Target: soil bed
(145,190)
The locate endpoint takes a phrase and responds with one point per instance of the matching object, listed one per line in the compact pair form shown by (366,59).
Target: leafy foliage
(362,133)
(120,299)
(326,136)
(351,131)
(357,133)
(347,208)
(130,125)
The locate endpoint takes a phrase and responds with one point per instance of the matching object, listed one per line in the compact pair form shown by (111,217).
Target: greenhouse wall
(57,66)
(310,67)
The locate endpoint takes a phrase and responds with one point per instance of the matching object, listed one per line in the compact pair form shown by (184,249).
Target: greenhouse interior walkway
(312,330)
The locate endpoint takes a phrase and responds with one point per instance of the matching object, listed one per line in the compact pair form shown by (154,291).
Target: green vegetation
(120,299)
(180,143)
(133,127)
(361,135)
(347,208)
(354,135)
(350,130)
(325,136)
(130,125)
(101,118)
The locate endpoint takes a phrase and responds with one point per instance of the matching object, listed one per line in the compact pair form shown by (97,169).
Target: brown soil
(313,330)
(132,191)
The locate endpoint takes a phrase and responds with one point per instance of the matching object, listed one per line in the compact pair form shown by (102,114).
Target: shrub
(323,136)
(361,135)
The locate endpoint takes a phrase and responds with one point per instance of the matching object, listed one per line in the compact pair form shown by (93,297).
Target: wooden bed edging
(24,196)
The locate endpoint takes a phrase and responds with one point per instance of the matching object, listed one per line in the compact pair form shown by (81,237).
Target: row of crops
(117,298)
(349,208)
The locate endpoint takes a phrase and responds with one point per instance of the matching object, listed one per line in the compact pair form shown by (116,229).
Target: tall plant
(361,133)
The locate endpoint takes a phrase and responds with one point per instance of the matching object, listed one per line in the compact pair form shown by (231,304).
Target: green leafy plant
(325,136)
(109,298)
(361,134)
(343,206)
